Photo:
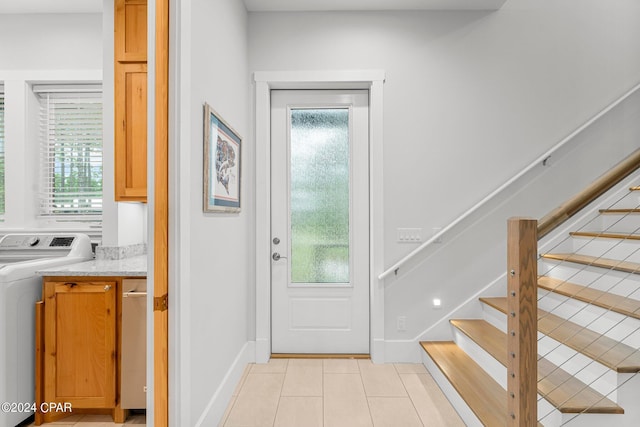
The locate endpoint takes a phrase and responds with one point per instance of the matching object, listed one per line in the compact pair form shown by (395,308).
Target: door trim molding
(265,81)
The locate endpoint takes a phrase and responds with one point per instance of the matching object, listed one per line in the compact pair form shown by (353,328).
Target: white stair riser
(599,377)
(618,249)
(592,373)
(614,325)
(549,417)
(615,282)
(563,246)
(625,200)
(594,420)
(619,223)
(481,357)
(629,396)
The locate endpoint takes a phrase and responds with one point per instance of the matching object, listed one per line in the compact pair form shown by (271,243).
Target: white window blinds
(71,152)
(1,152)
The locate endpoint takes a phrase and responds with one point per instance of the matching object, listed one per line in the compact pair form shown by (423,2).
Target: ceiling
(326,5)
(95,6)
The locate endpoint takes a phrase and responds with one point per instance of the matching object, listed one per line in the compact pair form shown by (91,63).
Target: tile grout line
(366,397)
(273,423)
(409,394)
(323,394)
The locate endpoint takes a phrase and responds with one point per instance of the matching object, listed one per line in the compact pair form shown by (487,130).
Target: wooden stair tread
(562,390)
(634,189)
(613,354)
(603,235)
(612,264)
(484,396)
(623,305)
(619,211)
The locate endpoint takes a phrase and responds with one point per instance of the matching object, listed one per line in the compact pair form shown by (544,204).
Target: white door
(320,221)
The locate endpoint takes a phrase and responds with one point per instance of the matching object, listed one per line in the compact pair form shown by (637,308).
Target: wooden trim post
(161,219)
(522,323)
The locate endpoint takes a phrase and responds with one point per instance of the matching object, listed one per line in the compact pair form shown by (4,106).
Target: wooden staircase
(588,328)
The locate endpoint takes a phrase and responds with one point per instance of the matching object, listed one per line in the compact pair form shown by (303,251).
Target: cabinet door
(130,30)
(80,343)
(131,132)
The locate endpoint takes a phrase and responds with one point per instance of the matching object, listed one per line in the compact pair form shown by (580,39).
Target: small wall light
(437,303)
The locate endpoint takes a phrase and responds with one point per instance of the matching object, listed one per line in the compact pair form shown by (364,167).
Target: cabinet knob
(107,288)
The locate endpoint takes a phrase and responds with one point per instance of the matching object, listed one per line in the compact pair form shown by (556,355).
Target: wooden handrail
(522,322)
(565,211)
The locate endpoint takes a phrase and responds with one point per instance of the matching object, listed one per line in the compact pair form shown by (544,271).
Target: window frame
(85,135)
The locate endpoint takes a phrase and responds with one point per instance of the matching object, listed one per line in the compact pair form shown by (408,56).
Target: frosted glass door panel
(319,184)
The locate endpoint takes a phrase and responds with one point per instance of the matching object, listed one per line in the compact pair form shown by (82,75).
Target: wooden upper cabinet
(131,30)
(130,89)
(131,132)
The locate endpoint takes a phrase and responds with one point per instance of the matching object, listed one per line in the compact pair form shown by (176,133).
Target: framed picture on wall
(222,159)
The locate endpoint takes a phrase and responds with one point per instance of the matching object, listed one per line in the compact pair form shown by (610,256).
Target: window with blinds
(70,152)
(1,152)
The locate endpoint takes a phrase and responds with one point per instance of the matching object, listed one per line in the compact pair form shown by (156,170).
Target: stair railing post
(522,342)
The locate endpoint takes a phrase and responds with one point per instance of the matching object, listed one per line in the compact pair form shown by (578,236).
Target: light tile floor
(95,421)
(338,393)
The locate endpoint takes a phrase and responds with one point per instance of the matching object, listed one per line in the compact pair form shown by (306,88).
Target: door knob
(276,256)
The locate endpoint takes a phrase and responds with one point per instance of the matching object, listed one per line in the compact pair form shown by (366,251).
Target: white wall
(38,48)
(470,98)
(211,253)
(51,41)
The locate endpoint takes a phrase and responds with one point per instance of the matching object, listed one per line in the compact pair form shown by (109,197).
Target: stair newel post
(522,342)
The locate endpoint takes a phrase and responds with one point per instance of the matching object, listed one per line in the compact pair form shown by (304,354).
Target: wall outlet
(409,235)
(402,323)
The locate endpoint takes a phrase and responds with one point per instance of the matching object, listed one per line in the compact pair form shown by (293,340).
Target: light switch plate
(409,235)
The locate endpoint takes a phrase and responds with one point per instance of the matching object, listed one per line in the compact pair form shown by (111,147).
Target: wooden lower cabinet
(78,349)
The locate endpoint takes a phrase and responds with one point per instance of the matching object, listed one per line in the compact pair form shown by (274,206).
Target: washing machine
(21,255)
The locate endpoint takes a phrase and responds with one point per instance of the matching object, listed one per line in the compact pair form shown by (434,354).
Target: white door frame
(373,81)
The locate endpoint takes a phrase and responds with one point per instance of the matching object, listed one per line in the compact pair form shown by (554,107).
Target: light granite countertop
(127,267)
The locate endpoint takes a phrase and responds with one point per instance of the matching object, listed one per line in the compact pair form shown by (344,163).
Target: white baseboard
(402,351)
(214,411)
(263,350)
